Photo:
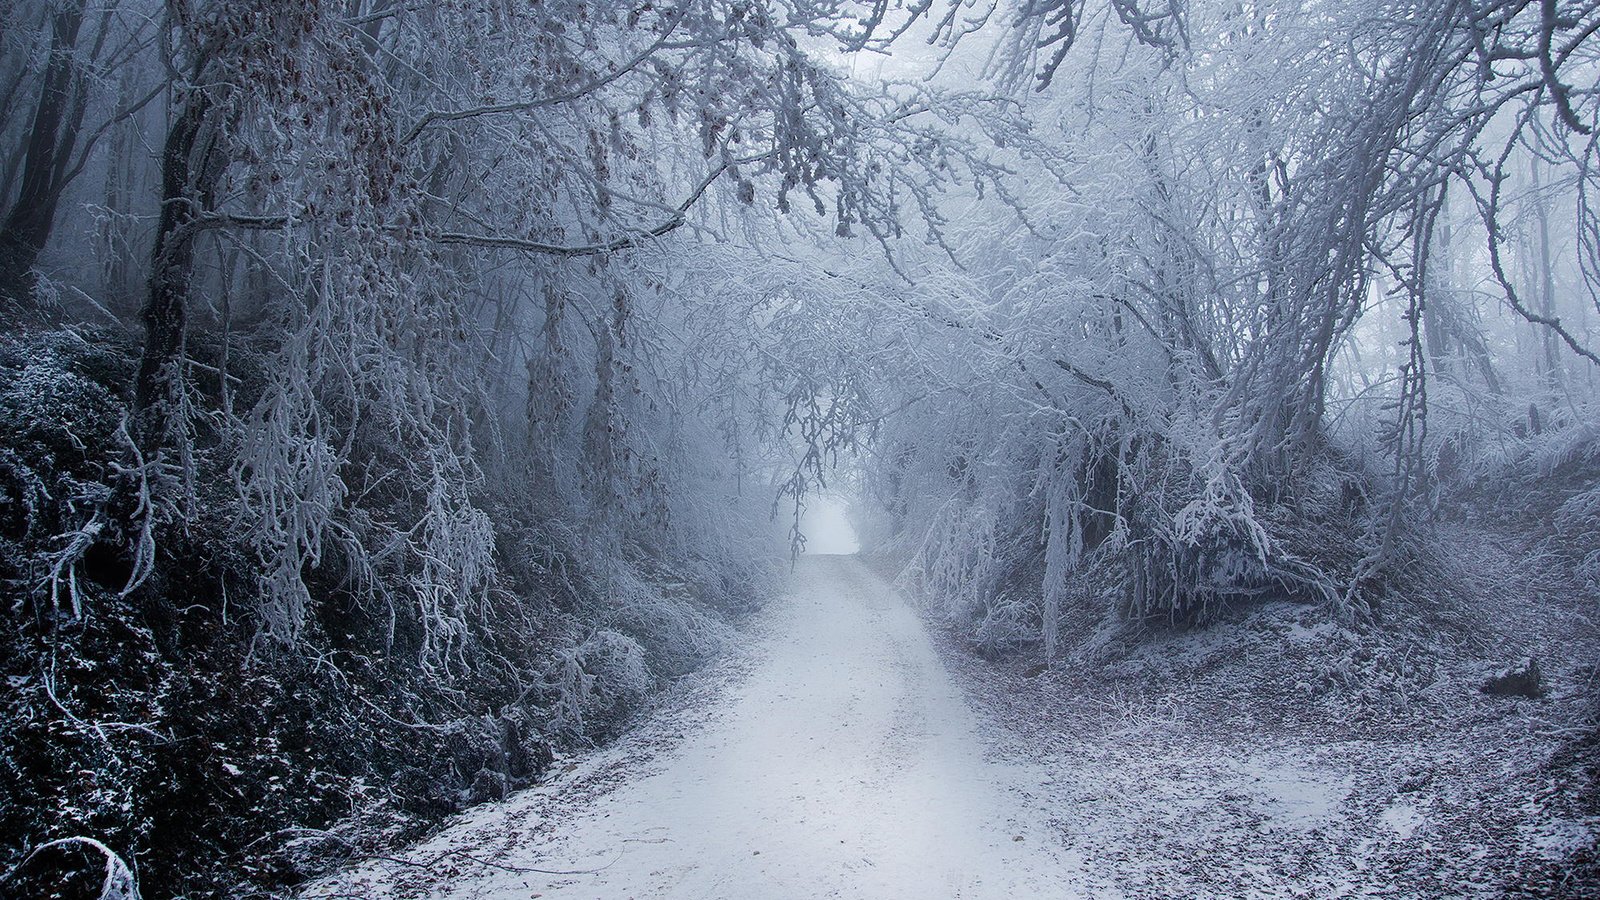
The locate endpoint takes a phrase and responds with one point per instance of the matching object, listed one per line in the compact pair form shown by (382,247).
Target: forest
(399,397)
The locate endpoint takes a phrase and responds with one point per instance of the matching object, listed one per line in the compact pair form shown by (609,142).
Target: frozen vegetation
(436,439)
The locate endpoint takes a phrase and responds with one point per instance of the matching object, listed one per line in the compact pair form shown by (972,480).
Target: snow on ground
(835,756)
(1276,754)
(837,759)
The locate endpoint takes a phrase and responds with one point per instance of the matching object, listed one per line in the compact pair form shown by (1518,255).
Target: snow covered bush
(599,683)
(36,876)
(1577,521)
(70,490)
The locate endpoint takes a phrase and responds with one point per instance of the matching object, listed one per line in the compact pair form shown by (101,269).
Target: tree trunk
(117,285)
(190,170)
(1550,354)
(1436,322)
(56,121)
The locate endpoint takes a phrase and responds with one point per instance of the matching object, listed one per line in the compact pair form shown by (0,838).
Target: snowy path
(842,763)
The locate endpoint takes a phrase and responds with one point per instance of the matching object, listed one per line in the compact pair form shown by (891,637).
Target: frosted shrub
(956,561)
(598,684)
(117,880)
(675,634)
(1578,522)
(1215,549)
(454,560)
(290,490)
(68,483)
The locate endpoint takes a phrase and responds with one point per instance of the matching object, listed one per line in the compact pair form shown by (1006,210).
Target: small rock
(1521,680)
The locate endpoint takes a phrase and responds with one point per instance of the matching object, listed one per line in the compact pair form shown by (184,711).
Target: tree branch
(506,242)
(436,116)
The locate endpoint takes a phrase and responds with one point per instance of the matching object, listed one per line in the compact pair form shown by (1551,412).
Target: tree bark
(54,131)
(1550,353)
(191,166)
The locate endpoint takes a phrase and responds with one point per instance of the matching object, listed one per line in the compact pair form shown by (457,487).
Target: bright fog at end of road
(826,525)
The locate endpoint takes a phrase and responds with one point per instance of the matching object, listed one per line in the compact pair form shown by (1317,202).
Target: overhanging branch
(493,241)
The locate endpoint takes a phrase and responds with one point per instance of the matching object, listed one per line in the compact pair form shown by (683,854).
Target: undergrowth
(148,717)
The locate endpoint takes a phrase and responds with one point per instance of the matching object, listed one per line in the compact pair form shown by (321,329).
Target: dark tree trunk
(54,131)
(190,169)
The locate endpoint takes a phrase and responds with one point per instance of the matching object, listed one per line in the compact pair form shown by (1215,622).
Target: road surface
(840,761)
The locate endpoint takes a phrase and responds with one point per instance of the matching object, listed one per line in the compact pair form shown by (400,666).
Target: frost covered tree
(417,356)
(1245,198)
(448,363)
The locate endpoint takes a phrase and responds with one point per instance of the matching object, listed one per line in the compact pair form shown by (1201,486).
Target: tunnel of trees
(395,392)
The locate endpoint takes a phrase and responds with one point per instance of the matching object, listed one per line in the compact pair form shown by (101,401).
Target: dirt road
(840,762)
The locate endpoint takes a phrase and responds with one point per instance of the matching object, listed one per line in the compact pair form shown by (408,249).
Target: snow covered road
(841,762)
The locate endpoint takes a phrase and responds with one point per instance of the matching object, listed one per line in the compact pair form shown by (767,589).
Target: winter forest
(415,417)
